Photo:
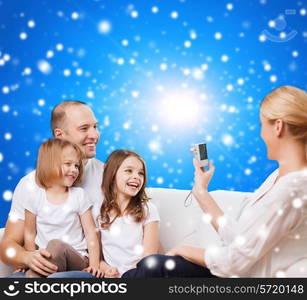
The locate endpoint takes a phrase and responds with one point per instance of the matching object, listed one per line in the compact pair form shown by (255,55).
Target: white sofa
(185,224)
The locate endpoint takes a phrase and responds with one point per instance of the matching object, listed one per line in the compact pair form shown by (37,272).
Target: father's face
(81,128)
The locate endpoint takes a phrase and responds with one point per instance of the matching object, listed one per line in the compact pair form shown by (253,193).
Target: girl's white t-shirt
(60,221)
(122,243)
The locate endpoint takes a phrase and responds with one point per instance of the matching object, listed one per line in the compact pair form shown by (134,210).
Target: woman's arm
(30,231)
(151,238)
(91,237)
(193,254)
(202,178)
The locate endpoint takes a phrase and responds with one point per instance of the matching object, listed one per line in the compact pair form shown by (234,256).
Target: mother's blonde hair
(289,104)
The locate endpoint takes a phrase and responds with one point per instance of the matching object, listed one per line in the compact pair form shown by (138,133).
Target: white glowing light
(138,249)
(240,81)
(75,15)
(179,108)
(7,195)
(224,58)
(174,15)
(160,180)
(297,203)
(127,125)
(273,78)
(303,12)
(59,47)
(193,35)
(163,66)
(198,74)
(5,90)
(229,87)
(23,36)
(125,43)
(229,6)
(154,146)
(187,44)
(227,140)
(1,157)
(44,66)
(151,262)
(104,27)
(262,38)
(49,54)
(134,14)
(217,35)
(90,94)
(13,217)
(6,57)
(222,221)
(8,136)
(79,71)
(207,218)
(10,252)
(66,72)
(295,53)
(154,9)
(31,23)
(135,94)
(170,264)
(280,274)
(247,171)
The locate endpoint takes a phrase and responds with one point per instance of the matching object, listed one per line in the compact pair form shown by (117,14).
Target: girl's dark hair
(137,204)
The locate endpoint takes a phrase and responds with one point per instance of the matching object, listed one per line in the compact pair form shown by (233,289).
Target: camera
(200,152)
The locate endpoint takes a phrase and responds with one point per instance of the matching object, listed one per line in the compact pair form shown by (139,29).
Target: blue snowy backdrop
(160,75)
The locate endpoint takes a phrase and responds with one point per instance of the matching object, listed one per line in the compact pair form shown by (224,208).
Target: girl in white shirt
(128,222)
(58,216)
(269,234)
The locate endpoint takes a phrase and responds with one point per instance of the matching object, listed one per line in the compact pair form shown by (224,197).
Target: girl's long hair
(137,206)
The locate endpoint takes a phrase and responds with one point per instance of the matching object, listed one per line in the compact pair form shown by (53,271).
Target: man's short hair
(58,114)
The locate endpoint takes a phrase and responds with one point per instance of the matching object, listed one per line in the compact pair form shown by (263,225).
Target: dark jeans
(166,266)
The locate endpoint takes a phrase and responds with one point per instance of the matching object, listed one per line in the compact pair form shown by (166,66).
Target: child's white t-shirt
(91,183)
(122,243)
(60,221)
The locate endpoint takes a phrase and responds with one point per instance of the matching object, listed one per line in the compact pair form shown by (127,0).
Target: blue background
(159,75)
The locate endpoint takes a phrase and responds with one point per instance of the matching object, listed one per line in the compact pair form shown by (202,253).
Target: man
(73,121)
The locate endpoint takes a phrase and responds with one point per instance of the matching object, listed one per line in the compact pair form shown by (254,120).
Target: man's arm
(13,253)
(30,231)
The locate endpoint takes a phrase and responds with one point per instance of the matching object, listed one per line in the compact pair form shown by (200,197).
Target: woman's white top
(268,235)
(60,221)
(122,243)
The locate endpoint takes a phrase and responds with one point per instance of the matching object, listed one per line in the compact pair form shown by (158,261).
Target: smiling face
(70,166)
(129,177)
(81,128)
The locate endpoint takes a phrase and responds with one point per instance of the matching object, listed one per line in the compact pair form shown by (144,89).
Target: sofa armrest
(5,270)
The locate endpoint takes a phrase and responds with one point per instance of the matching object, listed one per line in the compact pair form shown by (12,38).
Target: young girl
(59,217)
(127,221)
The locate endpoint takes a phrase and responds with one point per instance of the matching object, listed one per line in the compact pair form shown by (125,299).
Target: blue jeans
(68,274)
(157,266)
(17,275)
(71,274)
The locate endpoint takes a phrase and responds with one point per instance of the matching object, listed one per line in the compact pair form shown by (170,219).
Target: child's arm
(30,231)
(151,238)
(91,237)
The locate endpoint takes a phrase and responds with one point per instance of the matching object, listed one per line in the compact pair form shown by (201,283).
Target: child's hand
(94,271)
(111,272)
(19,270)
